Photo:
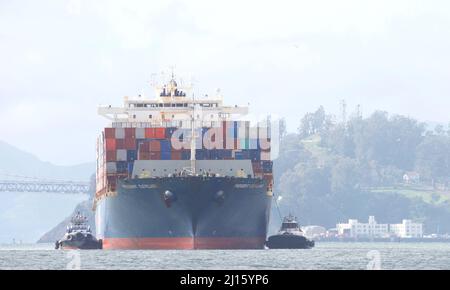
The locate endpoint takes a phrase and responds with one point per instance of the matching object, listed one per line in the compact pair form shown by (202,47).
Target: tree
(433,158)
(313,123)
(439,129)
(345,177)
(388,140)
(282,128)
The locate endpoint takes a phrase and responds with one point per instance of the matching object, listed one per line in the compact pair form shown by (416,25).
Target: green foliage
(330,172)
(386,140)
(433,157)
(313,123)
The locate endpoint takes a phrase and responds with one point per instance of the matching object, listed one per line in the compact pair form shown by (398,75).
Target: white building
(314,232)
(407,229)
(355,229)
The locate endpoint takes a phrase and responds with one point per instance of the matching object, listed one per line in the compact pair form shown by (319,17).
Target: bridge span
(65,187)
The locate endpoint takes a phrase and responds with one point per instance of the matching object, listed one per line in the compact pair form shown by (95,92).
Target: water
(323,256)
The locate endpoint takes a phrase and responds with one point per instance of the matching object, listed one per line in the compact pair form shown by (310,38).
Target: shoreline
(383,240)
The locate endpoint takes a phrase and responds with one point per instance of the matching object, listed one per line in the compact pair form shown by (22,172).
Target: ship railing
(179,124)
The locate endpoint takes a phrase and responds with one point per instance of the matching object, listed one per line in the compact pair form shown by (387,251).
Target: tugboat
(78,235)
(290,236)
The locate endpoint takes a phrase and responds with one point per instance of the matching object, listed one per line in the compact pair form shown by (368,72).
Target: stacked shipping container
(118,148)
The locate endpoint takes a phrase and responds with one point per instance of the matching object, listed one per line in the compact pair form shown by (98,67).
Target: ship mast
(193,136)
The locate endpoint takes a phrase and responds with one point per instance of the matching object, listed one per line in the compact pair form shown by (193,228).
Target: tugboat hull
(289,242)
(79,242)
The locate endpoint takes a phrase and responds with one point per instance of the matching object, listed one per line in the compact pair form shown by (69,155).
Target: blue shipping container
(165,146)
(242,155)
(169,132)
(122,166)
(267,166)
(185,155)
(166,155)
(255,155)
(201,154)
(130,167)
(131,155)
(226,154)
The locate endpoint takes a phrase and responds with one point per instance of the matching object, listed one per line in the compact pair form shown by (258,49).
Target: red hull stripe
(183,243)
(229,243)
(148,243)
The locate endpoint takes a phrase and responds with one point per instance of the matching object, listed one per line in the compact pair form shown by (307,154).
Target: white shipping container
(253,133)
(140,133)
(121,155)
(253,144)
(265,155)
(120,133)
(111,167)
(242,130)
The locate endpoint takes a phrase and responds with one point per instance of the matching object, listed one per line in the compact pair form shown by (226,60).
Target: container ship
(180,172)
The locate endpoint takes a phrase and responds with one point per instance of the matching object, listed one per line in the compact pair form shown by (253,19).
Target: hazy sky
(60,59)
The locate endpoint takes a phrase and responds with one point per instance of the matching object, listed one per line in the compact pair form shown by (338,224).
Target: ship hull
(87,242)
(289,242)
(185,213)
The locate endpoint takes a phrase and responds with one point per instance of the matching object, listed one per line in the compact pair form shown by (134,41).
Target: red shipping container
(111,156)
(110,133)
(110,144)
(144,156)
(155,155)
(130,133)
(224,134)
(176,155)
(143,146)
(149,133)
(155,146)
(257,168)
(160,133)
(120,144)
(268,177)
(130,143)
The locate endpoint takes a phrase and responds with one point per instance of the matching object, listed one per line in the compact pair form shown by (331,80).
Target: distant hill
(14,161)
(27,216)
(57,232)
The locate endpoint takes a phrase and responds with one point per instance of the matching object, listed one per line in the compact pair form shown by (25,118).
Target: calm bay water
(323,256)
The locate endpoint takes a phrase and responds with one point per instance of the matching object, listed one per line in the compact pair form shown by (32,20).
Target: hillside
(27,216)
(14,161)
(331,171)
(425,192)
(59,230)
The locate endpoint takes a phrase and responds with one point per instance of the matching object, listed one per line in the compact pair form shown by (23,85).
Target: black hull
(199,213)
(77,243)
(289,242)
